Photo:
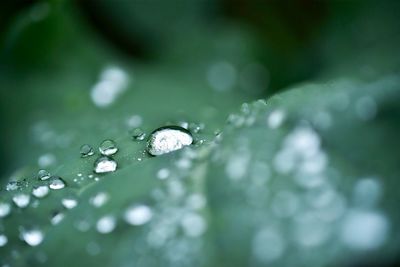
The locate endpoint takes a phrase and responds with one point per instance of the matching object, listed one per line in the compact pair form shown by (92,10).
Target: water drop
(69,203)
(46,160)
(193,225)
(99,199)
(40,191)
(21,200)
(108,148)
(276,118)
(167,139)
(3,240)
(32,237)
(163,174)
(43,175)
(12,185)
(56,183)
(106,224)
(138,134)
(5,209)
(138,214)
(86,151)
(57,218)
(104,165)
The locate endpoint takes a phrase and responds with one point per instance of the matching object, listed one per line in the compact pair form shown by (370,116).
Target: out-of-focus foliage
(276,184)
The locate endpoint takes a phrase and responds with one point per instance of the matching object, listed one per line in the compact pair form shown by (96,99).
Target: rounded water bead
(167,139)
(108,147)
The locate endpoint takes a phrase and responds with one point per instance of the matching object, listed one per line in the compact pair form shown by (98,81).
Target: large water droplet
(21,200)
(32,237)
(5,209)
(106,224)
(104,165)
(167,139)
(138,214)
(56,183)
(138,134)
(40,191)
(43,175)
(86,151)
(108,147)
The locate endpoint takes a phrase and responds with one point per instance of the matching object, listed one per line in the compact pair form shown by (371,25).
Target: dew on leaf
(32,237)
(106,224)
(40,191)
(3,240)
(108,147)
(69,203)
(167,139)
(86,150)
(163,174)
(138,134)
(104,165)
(5,209)
(364,230)
(56,218)
(43,175)
(193,224)
(268,245)
(13,185)
(21,200)
(56,183)
(276,118)
(138,214)
(99,199)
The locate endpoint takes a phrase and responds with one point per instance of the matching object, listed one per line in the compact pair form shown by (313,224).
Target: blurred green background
(195,61)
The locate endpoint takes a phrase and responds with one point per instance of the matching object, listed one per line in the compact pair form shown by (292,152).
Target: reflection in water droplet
(104,165)
(167,139)
(108,148)
(86,151)
(99,199)
(138,214)
(43,175)
(69,203)
(56,183)
(40,191)
(138,134)
(5,209)
(106,224)
(21,200)
(32,237)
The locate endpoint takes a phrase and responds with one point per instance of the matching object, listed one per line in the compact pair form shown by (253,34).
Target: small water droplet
(193,224)
(104,165)
(13,185)
(276,118)
(32,237)
(86,151)
(106,224)
(138,214)
(5,209)
(40,191)
(99,199)
(57,218)
(108,147)
(3,240)
(56,183)
(43,175)
(167,139)
(163,174)
(138,134)
(69,202)
(21,200)
(195,127)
